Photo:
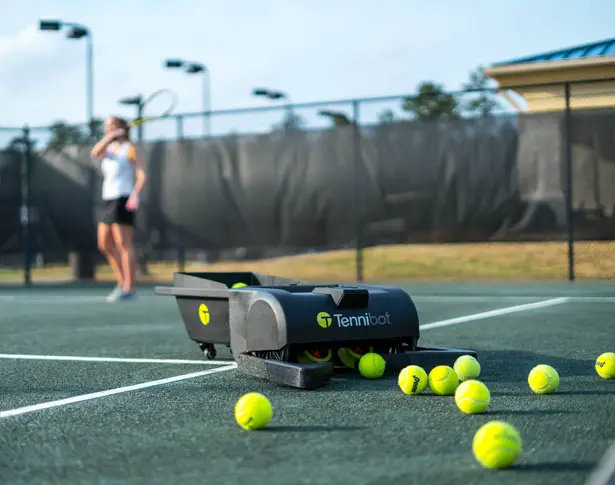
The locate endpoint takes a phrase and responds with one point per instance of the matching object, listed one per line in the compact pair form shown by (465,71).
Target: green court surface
(118,394)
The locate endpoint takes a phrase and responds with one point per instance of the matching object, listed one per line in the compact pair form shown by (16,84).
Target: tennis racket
(157,105)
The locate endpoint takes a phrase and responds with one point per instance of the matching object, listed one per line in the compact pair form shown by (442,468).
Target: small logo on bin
(324,319)
(204,314)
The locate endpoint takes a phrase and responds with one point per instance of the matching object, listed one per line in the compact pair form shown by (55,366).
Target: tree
(63,135)
(15,143)
(484,103)
(432,103)
(387,116)
(98,128)
(337,118)
(291,122)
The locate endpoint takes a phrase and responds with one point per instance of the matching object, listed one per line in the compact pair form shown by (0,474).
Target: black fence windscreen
(496,178)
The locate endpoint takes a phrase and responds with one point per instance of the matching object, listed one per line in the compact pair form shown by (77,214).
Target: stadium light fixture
(196,68)
(50,25)
(270,94)
(132,100)
(76,32)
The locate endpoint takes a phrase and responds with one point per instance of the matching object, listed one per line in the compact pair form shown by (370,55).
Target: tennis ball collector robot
(272,324)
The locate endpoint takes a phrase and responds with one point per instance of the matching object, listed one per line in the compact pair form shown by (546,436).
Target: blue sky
(312,49)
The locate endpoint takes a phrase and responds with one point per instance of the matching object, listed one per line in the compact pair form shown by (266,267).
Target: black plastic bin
(203,301)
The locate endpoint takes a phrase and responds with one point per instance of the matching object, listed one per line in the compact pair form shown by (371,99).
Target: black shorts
(115,212)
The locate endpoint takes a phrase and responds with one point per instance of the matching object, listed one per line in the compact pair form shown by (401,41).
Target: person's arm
(140,179)
(98,151)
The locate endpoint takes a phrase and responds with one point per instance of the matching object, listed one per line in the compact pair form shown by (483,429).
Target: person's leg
(110,252)
(123,237)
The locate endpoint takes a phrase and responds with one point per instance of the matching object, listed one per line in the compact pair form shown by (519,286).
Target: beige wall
(597,94)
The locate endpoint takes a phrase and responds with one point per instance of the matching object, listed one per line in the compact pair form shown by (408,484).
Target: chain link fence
(524,179)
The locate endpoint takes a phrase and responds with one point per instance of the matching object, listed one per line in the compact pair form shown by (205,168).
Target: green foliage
(432,103)
(338,119)
(387,116)
(483,103)
(291,122)
(63,134)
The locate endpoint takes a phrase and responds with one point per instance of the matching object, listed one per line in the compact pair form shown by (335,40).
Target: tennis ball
(372,365)
(239,285)
(605,365)
(472,397)
(412,380)
(314,356)
(496,445)
(443,380)
(543,379)
(253,411)
(467,367)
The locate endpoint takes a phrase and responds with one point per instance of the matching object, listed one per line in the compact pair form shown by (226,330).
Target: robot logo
(204,314)
(324,319)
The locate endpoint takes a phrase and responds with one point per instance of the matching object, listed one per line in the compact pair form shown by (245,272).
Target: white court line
(486,298)
(473,298)
(111,392)
(108,359)
(495,313)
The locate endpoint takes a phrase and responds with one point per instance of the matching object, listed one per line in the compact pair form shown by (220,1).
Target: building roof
(585,51)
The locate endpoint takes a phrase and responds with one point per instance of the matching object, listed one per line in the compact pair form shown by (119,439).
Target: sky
(313,50)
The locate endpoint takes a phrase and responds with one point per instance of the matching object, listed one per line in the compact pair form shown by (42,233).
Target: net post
(356,191)
(568,167)
(141,254)
(26,205)
(180,126)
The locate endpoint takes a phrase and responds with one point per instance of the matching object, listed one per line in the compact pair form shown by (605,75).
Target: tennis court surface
(99,393)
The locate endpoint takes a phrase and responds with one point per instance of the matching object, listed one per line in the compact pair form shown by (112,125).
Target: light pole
(138,102)
(274,96)
(196,68)
(77,31)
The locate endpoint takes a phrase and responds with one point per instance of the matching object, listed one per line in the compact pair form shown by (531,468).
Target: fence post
(568,163)
(356,192)
(142,253)
(181,251)
(26,205)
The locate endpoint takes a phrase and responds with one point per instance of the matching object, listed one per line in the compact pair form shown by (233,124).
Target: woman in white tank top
(123,181)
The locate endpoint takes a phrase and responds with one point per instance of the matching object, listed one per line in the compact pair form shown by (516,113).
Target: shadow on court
(554,467)
(312,429)
(514,365)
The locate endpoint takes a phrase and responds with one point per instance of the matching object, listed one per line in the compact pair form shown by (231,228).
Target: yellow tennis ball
(467,367)
(253,411)
(443,380)
(543,379)
(372,365)
(496,445)
(472,397)
(605,365)
(239,285)
(412,380)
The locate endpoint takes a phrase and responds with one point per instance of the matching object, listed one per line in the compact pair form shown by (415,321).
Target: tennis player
(123,181)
